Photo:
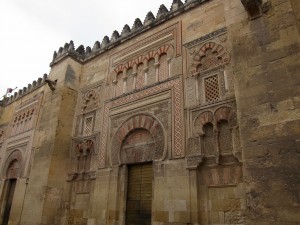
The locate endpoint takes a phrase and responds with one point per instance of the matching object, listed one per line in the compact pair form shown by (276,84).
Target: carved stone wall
(84,150)
(206,92)
(176,125)
(25,116)
(19,134)
(215,154)
(209,78)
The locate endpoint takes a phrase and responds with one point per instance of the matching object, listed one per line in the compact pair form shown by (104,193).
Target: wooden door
(139,195)
(9,198)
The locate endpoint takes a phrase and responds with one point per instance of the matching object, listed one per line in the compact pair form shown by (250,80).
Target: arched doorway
(137,143)
(12,172)
(138,148)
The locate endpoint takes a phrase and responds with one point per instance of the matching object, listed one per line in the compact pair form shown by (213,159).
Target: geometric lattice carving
(212,89)
(23,120)
(88,126)
(178,148)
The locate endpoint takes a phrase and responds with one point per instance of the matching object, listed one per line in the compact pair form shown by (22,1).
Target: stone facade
(190,117)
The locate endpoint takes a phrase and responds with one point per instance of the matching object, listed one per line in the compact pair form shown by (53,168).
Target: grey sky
(32,30)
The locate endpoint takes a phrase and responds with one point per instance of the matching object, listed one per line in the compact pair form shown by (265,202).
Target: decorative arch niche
(218,134)
(209,56)
(139,139)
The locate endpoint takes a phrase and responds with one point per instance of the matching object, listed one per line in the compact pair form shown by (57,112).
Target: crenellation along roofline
(83,55)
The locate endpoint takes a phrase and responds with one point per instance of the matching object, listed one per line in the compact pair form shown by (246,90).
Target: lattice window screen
(88,126)
(212,92)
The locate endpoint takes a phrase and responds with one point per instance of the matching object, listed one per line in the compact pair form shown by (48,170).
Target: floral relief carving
(172,84)
(209,56)
(90,100)
(207,60)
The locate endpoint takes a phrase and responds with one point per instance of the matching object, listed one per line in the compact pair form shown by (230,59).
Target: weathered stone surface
(206,94)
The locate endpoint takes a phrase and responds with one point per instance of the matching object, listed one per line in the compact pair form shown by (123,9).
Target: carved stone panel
(25,116)
(90,99)
(209,79)
(169,89)
(215,134)
(13,165)
(83,162)
(142,70)
(82,154)
(140,138)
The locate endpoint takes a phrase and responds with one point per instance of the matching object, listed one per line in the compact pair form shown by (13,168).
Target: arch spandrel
(141,138)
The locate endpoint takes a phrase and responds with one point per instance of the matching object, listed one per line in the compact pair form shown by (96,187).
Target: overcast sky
(32,30)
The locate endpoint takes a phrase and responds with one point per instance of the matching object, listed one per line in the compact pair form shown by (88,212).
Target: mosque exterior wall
(190,117)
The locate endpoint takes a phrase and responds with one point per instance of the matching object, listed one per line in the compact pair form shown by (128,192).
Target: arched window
(129,80)
(151,78)
(119,85)
(163,70)
(140,77)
